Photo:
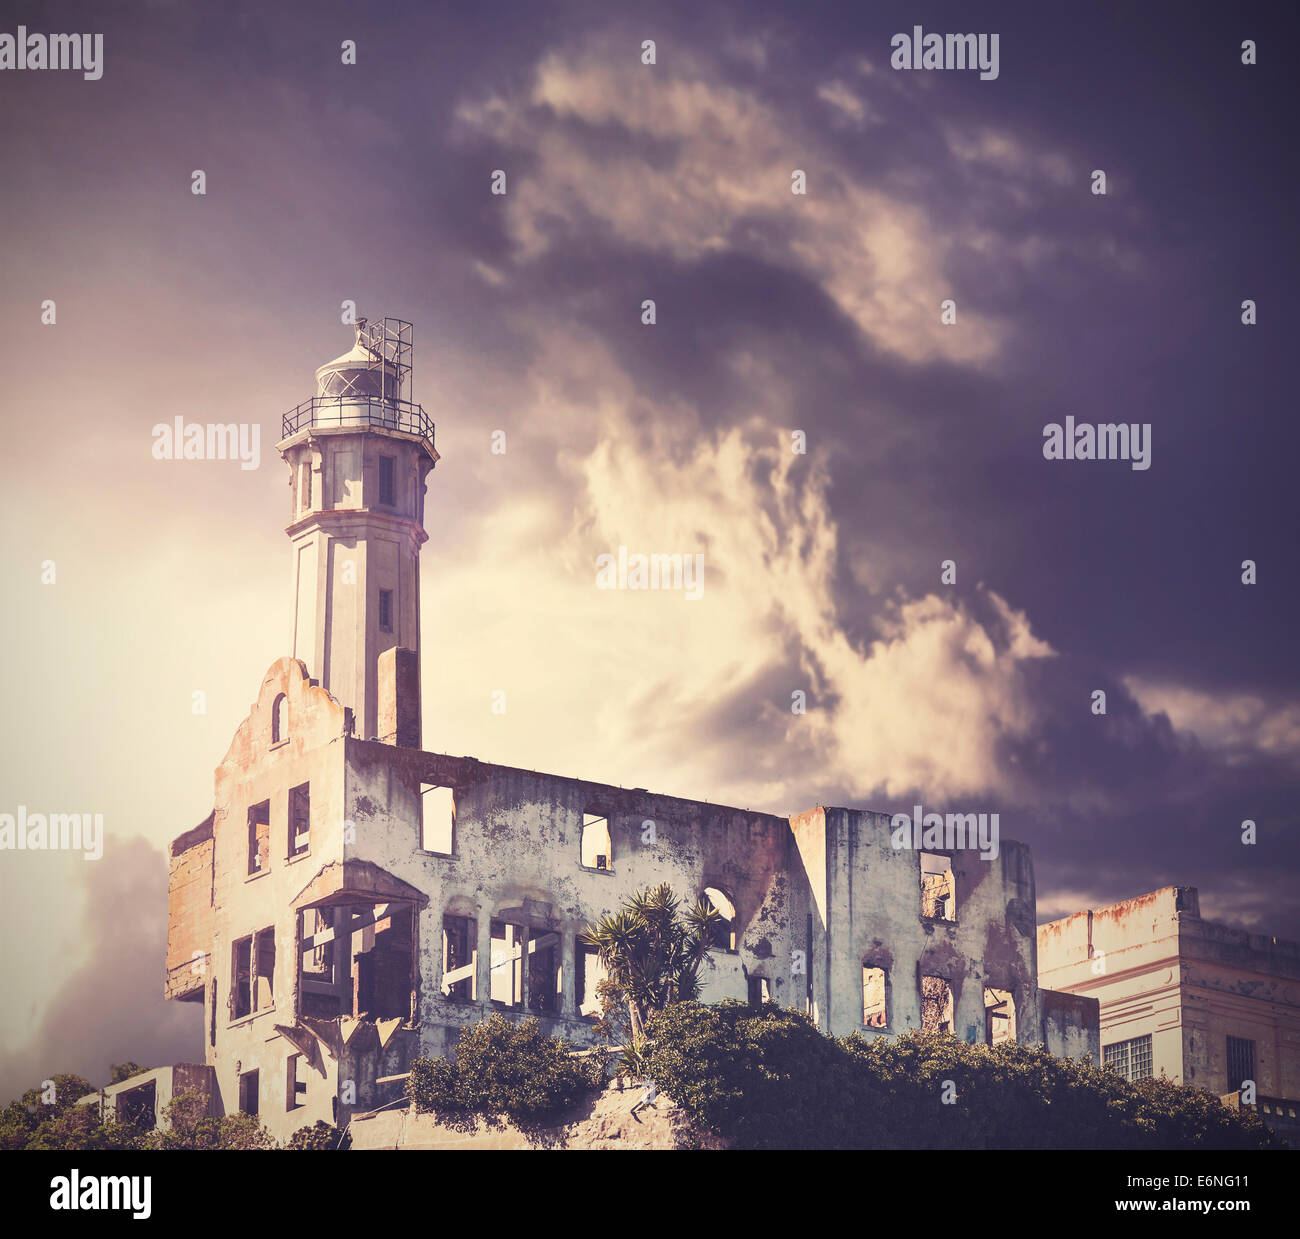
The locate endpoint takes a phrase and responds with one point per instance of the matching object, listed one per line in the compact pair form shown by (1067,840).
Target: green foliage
(652,950)
(767,1078)
(78,1129)
(66,1091)
(190,1127)
(504,1069)
(764,1078)
(50,1119)
(321,1135)
(123,1071)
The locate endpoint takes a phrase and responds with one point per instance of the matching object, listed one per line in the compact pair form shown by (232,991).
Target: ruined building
(352,901)
(1204,1004)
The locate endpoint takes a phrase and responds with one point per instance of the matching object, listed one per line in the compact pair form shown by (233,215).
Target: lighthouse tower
(359,452)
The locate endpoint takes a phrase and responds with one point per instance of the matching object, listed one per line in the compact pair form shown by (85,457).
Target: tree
(123,1071)
(652,951)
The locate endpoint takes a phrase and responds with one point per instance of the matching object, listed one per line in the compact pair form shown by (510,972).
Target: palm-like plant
(652,949)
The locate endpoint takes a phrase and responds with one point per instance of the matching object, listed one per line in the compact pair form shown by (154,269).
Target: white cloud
(1241,724)
(925,706)
(723,160)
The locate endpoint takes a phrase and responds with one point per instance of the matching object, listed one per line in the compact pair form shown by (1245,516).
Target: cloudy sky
(776,313)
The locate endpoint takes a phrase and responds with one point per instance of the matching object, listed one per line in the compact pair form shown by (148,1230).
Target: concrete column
(568,975)
(484,988)
(525,936)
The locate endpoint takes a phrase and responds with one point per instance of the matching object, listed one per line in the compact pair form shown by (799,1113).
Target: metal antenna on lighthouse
(391,341)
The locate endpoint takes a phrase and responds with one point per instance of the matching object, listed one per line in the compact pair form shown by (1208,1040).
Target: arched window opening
(723,931)
(280,719)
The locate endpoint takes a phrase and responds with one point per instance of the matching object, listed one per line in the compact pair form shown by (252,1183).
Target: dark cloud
(111,1009)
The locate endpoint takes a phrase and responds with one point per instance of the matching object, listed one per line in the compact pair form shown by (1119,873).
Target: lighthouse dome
(361,371)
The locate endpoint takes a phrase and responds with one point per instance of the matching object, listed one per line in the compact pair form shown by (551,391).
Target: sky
(780,319)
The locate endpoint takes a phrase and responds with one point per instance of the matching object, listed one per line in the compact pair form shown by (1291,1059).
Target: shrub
(765,1078)
(191,1127)
(321,1135)
(504,1069)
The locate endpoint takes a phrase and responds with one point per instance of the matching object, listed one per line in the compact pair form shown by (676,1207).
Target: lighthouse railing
(357,410)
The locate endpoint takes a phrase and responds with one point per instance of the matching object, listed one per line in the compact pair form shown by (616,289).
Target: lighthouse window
(387,480)
(385,610)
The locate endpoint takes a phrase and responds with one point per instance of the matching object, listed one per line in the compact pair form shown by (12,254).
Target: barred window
(1241,1062)
(1132,1059)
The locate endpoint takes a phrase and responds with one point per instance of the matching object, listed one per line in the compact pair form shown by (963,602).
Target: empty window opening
(279,719)
(252,974)
(597,847)
(938,890)
(999,1015)
(299,820)
(241,978)
(875,997)
(544,980)
(385,610)
(358,959)
(760,991)
(1241,1062)
(319,983)
(295,1082)
(259,837)
(1132,1059)
(212,1014)
(387,481)
(722,932)
(507,963)
(437,818)
(590,972)
(459,958)
(248,1092)
(383,960)
(936,1005)
(138,1106)
(263,969)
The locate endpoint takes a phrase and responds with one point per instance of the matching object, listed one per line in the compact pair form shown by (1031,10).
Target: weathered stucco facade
(353,902)
(1202,1003)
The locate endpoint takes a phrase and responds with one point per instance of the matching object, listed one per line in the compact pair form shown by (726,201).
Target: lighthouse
(359,453)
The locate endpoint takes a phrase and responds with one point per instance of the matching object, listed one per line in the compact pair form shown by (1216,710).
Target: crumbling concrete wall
(605,1121)
(191,919)
(816,898)
(164,1083)
(517,858)
(1071,1025)
(258,768)
(868,903)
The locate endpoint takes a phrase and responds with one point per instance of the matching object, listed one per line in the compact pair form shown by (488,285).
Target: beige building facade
(1199,1002)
